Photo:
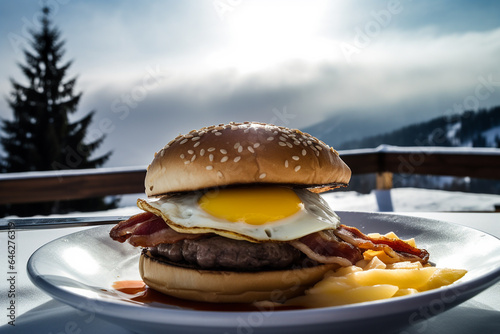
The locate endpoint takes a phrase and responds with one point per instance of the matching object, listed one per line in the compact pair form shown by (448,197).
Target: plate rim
(223,319)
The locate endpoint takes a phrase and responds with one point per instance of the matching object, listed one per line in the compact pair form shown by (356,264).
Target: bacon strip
(325,247)
(147,230)
(124,229)
(395,248)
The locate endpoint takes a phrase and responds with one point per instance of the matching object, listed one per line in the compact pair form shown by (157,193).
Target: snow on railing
(425,150)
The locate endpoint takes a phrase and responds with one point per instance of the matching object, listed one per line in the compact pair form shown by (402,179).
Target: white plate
(79,270)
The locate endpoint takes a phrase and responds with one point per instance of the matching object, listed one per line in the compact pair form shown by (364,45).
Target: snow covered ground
(414,199)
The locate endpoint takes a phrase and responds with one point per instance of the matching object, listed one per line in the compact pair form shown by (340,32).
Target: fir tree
(41,135)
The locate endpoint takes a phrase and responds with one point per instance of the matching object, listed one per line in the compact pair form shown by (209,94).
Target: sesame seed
(263,175)
(188,136)
(211,157)
(183,141)
(202,152)
(195,138)
(297,168)
(240,148)
(296,142)
(282,138)
(289,144)
(224,158)
(309,142)
(223,151)
(182,156)
(318,147)
(219,174)
(190,151)
(282,143)
(236,145)
(217,133)
(234,127)
(186,162)
(304,152)
(162,152)
(211,149)
(295,158)
(250,148)
(194,157)
(196,144)
(270,138)
(317,153)
(237,159)
(209,167)
(286,163)
(256,145)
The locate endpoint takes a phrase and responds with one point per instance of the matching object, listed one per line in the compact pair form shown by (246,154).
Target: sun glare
(263,34)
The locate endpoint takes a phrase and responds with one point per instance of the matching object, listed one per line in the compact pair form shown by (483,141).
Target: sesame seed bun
(245,153)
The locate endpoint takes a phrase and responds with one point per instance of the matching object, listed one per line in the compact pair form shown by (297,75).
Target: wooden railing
(75,184)
(444,161)
(33,187)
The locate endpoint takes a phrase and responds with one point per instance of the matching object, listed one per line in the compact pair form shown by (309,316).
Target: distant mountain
(347,127)
(473,129)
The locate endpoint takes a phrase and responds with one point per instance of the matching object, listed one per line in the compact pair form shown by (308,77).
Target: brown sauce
(139,292)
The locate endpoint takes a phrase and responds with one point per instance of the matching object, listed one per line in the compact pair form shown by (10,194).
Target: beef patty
(222,253)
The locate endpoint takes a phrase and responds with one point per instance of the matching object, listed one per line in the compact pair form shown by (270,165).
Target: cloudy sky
(154,69)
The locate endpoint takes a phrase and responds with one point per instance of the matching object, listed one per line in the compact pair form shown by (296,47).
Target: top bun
(245,153)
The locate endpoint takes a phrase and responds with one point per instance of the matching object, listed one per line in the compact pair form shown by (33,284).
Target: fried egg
(247,213)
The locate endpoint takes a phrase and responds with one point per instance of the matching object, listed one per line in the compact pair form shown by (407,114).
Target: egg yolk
(253,206)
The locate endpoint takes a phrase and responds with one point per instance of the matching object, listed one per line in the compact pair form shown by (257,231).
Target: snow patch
(491,135)
(414,200)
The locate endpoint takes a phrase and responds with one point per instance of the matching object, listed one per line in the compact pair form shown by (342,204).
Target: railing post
(384,180)
(383,191)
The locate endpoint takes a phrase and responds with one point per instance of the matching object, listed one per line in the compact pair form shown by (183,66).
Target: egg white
(186,216)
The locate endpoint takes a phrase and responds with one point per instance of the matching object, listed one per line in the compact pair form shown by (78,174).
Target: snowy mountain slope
(478,129)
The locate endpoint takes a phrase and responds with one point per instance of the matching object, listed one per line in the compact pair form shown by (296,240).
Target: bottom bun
(227,286)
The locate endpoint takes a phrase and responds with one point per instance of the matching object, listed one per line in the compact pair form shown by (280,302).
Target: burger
(234,215)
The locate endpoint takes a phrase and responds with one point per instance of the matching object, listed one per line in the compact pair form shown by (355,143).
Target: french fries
(375,278)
